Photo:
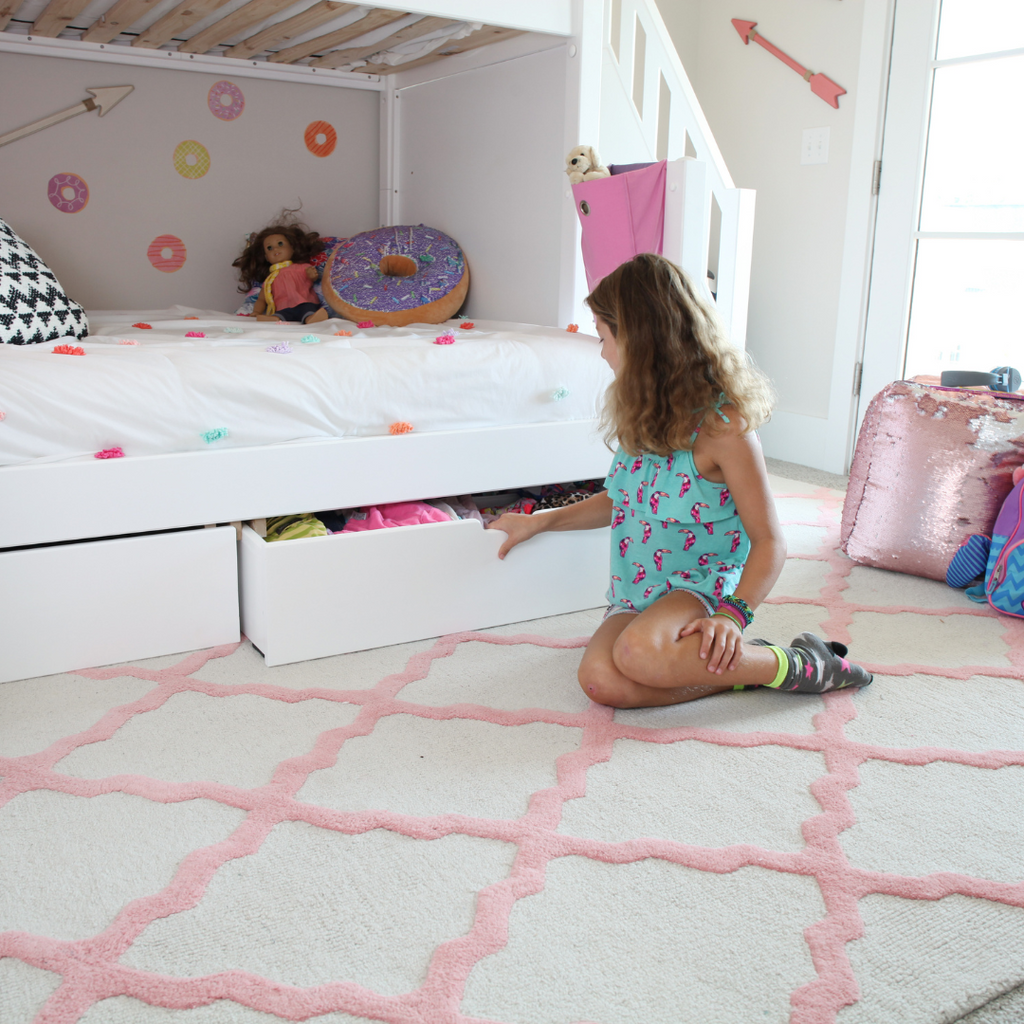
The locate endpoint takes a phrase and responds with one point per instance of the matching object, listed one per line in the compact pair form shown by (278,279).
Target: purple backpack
(999,560)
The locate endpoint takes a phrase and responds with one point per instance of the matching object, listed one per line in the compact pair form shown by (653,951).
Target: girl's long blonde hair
(674,360)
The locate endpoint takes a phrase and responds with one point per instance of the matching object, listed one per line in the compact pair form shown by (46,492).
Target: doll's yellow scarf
(268,293)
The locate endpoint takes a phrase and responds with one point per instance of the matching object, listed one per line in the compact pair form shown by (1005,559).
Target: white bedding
(167,392)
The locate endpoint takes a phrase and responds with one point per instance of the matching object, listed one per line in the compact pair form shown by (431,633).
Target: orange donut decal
(191,159)
(67,192)
(166,253)
(320,138)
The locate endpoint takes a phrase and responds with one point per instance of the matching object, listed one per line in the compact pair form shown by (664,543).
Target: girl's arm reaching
(590,514)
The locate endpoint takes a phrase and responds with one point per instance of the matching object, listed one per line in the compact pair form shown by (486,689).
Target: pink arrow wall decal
(821,85)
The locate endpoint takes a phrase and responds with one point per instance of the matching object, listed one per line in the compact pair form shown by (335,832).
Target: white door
(948,264)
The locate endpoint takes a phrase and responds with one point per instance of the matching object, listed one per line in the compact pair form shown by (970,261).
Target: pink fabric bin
(621,216)
(932,465)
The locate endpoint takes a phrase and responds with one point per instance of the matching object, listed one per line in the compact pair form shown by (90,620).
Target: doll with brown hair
(696,544)
(279,256)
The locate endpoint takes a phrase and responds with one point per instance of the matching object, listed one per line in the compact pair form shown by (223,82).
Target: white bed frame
(625,92)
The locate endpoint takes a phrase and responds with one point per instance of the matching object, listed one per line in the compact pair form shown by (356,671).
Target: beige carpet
(448,831)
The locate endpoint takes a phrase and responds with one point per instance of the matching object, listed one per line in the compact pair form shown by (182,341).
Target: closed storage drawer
(72,606)
(320,596)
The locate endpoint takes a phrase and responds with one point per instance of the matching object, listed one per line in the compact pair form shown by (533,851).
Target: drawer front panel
(329,595)
(96,603)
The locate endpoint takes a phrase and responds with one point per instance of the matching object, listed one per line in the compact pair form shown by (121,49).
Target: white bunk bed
(110,560)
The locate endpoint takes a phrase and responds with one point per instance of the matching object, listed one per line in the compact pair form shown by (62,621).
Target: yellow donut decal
(191,159)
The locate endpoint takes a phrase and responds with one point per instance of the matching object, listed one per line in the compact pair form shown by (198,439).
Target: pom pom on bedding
(445,339)
(573,328)
(194,334)
(559,393)
(467,326)
(400,428)
(284,348)
(190,318)
(365,324)
(310,339)
(69,350)
(217,434)
(232,330)
(110,453)
(143,327)
(3,415)
(127,341)
(343,334)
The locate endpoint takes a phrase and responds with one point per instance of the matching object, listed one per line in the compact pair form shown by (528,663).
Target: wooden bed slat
(482,37)
(237,21)
(337,58)
(187,13)
(118,19)
(7,9)
(375,19)
(56,17)
(285,31)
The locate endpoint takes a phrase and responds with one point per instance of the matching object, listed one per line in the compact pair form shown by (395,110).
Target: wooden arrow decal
(821,85)
(103,99)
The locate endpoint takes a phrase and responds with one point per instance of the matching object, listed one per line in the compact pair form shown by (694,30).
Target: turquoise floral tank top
(671,530)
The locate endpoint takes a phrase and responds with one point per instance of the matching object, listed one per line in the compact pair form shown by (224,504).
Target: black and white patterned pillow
(33,306)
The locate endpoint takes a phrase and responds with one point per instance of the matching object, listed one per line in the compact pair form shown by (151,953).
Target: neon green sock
(783,665)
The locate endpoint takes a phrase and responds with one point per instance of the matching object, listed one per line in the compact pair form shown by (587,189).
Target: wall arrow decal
(103,99)
(821,85)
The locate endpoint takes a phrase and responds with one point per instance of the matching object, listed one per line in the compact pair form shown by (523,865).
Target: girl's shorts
(619,609)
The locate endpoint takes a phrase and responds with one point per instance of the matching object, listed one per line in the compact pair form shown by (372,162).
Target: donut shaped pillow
(396,276)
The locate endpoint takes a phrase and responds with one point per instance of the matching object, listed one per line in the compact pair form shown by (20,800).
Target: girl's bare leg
(639,661)
(320,314)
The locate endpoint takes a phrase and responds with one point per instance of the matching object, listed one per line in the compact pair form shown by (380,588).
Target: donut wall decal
(67,192)
(191,159)
(321,138)
(166,253)
(225,101)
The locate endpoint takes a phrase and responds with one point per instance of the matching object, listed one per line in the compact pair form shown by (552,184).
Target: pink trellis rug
(448,831)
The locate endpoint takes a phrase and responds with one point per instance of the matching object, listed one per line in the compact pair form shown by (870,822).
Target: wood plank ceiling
(279,31)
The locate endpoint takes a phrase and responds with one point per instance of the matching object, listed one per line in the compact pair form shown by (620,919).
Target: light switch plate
(814,149)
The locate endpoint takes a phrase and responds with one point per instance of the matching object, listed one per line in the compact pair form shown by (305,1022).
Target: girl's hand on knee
(721,643)
(519,527)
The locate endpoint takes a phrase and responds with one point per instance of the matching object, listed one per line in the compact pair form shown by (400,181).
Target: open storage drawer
(72,606)
(320,596)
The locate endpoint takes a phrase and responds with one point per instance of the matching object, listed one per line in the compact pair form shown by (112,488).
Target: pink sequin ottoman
(932,466)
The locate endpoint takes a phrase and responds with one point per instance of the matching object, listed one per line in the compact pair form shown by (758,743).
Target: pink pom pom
(69,350)
(365,324)
(110,453)
(195,334)
(445,339)
(467,326)
(3,415)
(127,341)
(143,327)
(400,428)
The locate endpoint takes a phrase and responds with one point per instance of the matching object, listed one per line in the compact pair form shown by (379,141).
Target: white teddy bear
(583,164)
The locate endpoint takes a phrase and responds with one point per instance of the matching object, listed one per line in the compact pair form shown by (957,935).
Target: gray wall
(259,163)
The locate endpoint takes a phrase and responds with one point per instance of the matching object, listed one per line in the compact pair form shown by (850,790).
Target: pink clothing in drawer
(398,513)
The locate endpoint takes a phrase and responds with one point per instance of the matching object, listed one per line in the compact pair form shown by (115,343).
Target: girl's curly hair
(252,265)
(674,359)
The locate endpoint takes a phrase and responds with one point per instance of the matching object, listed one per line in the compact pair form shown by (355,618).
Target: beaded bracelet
(732,615)
(736,606)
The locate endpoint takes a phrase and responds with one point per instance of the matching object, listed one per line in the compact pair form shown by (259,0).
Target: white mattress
(165,393)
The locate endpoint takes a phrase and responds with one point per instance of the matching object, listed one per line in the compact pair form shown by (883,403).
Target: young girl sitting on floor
(279,257)
(696,542)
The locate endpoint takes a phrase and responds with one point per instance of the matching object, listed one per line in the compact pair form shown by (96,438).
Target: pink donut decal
(67,192)
(320,138)
(225,101)
(166,253)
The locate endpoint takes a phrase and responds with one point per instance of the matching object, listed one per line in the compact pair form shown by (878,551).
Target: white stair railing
(669,124)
